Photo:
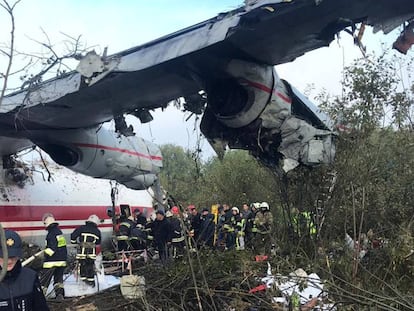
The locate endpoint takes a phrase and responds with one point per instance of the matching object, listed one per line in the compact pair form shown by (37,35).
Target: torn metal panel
(267,117)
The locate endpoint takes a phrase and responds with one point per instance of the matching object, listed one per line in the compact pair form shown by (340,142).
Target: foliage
(369,191)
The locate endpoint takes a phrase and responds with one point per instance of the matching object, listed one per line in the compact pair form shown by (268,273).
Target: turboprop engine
(103,153)
(252,108)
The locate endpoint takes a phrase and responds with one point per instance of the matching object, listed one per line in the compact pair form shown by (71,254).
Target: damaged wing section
(253,109)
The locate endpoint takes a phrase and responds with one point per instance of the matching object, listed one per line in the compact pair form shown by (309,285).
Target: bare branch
(9,9)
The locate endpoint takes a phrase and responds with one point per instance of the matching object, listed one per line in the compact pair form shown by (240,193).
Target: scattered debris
(299,290)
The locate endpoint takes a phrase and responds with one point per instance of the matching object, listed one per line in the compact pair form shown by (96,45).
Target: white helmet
(94,219)
(264,205)
(48,219)
(168,214)
(235,209)
(256,205)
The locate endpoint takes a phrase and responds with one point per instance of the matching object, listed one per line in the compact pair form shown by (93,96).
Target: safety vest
(56,253)
(303,224)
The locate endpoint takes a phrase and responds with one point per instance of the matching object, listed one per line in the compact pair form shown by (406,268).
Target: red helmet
(191,207)
(175,210)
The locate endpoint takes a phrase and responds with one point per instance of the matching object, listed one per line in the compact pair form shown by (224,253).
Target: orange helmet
(175,210)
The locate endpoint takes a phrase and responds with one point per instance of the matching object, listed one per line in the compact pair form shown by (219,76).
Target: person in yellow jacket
(55,256)
(303,224)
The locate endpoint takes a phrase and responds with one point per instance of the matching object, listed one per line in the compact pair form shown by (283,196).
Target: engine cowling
(252,108)
(102,153)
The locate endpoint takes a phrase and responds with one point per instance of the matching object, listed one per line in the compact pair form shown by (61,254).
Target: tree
(180,174)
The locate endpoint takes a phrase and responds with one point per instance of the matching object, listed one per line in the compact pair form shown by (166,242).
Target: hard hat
(13,244)
(256,205)
(175,210)
(264,205)
(94,219)
(131,218)
(235,209)
(48,219)
(191,207)
(168,214)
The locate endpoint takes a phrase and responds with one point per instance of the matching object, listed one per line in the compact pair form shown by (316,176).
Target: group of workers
(24,289)
(171,231)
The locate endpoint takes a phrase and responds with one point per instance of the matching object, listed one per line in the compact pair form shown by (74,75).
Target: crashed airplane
(223,68)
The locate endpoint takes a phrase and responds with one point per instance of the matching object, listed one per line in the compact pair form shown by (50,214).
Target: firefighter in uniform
(262,227)
(124,233)
(303,224)
(177,236)
(87,236)
(20,289)
(140,218)
(56,256)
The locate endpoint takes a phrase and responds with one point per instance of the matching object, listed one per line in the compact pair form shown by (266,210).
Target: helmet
(235,209)
(131,218)
(48,219)
(264,205)
(255,205)
(94,219)
(168,214)
(191,207)
(175,210)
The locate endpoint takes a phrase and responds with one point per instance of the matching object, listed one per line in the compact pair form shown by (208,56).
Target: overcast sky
(119,25)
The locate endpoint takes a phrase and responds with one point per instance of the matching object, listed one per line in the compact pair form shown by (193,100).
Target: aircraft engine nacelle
(252,108)
(102,153)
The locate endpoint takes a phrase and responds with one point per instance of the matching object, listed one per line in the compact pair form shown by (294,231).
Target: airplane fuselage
(69,196)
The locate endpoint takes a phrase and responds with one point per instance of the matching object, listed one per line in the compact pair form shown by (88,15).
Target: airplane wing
(229,57)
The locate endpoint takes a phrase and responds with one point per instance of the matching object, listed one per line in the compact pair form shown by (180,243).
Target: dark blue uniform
(87,237)
(21,291)
(56,256)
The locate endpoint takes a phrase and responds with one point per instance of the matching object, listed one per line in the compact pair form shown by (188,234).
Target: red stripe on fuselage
(267,89)
(17,213)
(134,153)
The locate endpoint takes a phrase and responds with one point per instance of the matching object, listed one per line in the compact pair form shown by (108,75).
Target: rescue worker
(207,228)
(138,238)
(139,217)
(248,219)
(124,232)
(87,236)
(262,227)
(221,234)
(20,289)
(230,228)
(241,229)
(303,224)
(177,236)
(195,225)
(55,256)
(161,232)
(236,222)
